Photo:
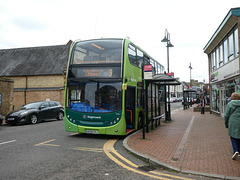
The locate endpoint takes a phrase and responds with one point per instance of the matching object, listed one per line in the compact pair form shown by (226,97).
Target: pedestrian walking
(232,122)
(202,103)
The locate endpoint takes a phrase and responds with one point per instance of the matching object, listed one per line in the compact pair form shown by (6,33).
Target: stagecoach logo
(92,117)
(131,79)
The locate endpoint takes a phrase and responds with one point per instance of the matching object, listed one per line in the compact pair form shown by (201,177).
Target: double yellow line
(109,150)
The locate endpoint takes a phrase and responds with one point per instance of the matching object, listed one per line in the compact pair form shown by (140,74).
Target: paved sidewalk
(192,143)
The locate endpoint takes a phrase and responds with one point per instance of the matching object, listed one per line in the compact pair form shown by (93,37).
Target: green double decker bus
(103,93)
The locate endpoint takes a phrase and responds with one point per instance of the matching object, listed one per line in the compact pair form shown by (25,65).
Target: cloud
(28,23)
(51,22)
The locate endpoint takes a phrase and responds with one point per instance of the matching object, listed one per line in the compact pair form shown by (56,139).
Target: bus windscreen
(98,52)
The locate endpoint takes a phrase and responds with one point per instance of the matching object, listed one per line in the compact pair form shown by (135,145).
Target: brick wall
(29,89)
(6,90)
(38,81)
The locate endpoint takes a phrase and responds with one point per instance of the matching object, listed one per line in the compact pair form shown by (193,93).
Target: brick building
(37,74)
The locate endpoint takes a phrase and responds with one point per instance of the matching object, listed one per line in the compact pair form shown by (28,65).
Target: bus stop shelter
(158,80)
(187,98)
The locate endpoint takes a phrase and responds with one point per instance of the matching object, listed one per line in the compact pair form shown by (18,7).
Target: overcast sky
(191,24)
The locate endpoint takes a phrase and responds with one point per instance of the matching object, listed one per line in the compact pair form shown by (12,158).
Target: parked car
(179,99)
(1,119)
(36,112)
(174,99)
(171,100)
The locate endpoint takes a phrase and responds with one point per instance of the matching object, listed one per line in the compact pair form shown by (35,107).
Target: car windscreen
(32,105)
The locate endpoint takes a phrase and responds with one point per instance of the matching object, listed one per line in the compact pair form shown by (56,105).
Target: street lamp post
(190,67)
(167,40)
(190,84)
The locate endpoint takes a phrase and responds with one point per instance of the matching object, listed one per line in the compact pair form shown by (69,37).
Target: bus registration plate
(91,132)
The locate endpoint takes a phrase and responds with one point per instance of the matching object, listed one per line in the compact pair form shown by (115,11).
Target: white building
(223,61)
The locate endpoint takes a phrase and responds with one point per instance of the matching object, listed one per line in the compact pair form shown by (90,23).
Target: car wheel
(33,119)
(60,116)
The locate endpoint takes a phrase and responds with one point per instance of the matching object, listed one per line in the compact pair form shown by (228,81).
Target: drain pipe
(25,90)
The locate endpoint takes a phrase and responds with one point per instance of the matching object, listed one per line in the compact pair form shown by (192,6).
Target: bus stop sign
(148,71)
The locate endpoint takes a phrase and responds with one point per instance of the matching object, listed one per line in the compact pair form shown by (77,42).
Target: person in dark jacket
(232,122)
(202,103)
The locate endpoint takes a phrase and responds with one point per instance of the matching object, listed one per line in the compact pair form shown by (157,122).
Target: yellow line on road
(124,159)
(168,175)
(88,149)
(108,147)
(45,143)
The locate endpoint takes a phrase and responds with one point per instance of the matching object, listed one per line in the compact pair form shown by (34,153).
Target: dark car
(36,112)
(1,119)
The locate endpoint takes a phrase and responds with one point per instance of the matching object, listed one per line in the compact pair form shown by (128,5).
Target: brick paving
(191,142)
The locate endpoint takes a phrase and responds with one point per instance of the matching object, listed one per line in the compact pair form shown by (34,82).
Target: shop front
(223,61)
(224,82)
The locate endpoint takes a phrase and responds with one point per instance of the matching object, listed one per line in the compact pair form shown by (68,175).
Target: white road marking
(7,142)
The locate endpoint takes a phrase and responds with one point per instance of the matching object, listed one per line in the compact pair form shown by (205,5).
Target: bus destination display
(98,72)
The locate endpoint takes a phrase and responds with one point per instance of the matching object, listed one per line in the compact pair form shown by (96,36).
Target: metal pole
(144,105)
(169,106)
(166,112)
(190,84)
(167,40)
(151,106)
(146,100)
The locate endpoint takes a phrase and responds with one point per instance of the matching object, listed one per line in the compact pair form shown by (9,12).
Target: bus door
(130,107)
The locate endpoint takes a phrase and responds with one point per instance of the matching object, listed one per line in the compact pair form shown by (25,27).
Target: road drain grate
(147,168)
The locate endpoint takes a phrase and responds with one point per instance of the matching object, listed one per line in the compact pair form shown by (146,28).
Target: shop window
(225,51)
(217,58)
(230,88)
(213,62)
(236,47)
(221,55)
(230,47)
(215,98)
